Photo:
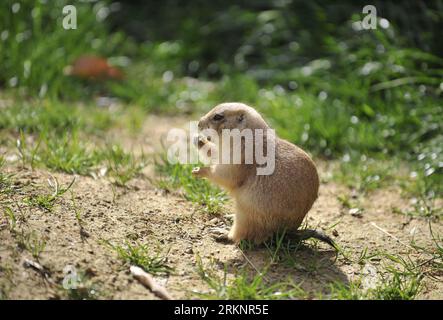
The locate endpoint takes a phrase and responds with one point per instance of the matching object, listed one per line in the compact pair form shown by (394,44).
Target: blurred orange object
(94,68)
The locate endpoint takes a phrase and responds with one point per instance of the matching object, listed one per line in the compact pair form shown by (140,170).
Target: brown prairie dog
(264,203)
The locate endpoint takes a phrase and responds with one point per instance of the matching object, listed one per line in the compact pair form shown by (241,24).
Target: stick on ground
(148,281)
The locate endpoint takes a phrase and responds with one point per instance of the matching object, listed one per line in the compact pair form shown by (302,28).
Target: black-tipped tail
(305,234)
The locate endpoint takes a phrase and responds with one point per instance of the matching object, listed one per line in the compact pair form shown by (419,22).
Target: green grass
(285,253)
(152,261)
(437,252)
(397,287)
(31,242)
(123,166)
(47,201)
(425,206)
(433,265)
(283,248)
(398,278)
(366,256)
(10,217)
(425,198)
(27,154)
(350,99)
(246,286)
(147,88)
(179,177)
(36,48)
(68,154)
(373,134)
(366,175)
(35,116)
(78,217)
(6,184)
(370,175)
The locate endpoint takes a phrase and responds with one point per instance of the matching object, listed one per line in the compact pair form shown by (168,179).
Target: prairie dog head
(228,133)
(232,115)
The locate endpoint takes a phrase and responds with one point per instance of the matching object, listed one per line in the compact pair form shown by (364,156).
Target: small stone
(355,212)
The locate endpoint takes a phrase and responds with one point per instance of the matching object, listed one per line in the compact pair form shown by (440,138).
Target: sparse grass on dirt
(69,153)
(47,201)
(34,243)
(402,279)
(176,176)
(152,261)
(5,179)
(365,103)
(153,214)
(123,166)
(246,287)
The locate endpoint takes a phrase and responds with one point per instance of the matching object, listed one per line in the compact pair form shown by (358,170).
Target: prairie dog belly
(284,195)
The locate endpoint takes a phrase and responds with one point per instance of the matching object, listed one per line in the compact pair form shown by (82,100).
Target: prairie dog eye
(218,117)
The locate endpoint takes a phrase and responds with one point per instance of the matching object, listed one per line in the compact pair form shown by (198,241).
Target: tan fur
(265,204)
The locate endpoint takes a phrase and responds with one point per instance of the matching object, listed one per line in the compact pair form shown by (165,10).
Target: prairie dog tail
(305,234)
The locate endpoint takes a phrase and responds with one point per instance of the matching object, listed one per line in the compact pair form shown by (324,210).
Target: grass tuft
(401,279)
(6,184)
(179,177)
(139,255)
(123,166)
(47,201)
(31,242)
(246,287)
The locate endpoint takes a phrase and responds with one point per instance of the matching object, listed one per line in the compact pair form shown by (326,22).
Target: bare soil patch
(169,224)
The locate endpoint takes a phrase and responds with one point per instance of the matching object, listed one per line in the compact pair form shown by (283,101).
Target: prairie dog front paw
(202,140)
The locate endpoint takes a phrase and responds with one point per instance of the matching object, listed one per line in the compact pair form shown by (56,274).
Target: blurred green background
(339,91)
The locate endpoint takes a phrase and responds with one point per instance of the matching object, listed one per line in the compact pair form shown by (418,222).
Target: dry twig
(148,281)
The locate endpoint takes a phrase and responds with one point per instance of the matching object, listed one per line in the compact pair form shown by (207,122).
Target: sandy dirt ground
(177,228)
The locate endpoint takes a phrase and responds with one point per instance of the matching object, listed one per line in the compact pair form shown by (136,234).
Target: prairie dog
(264,203)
